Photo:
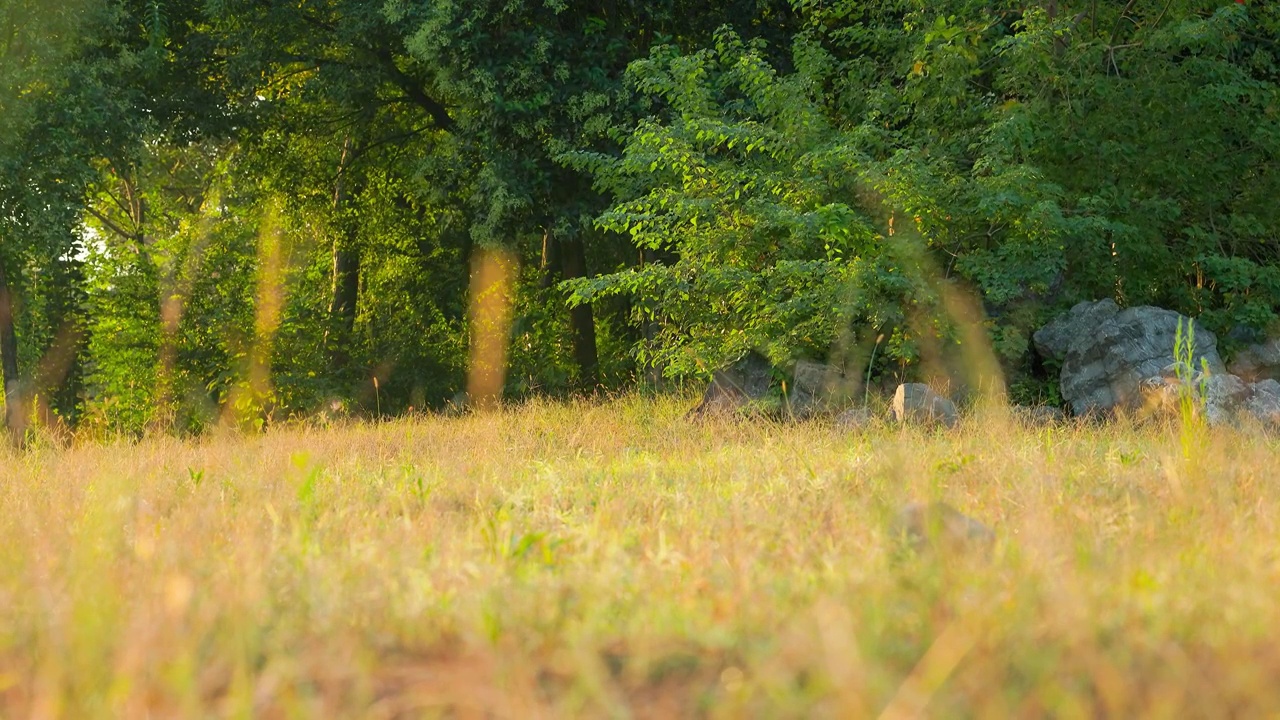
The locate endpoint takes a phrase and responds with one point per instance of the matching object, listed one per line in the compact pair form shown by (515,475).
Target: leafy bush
(1041,156)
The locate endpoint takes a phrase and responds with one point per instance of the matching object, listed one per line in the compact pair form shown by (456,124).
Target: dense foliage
(243,211)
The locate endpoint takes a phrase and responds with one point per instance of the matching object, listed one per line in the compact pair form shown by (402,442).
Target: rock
(855,418)
(1263,402)
(1271,387)
(1106,365)
(1053,340)
(811,379)
(736,386)
(937,527)
(1257,362)
(810,388)
(917,402)
(1221,399)
(749,384)
(1224,395)
(1159,396)
(1241,335)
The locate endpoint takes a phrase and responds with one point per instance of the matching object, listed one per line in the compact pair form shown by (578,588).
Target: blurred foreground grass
(612,560)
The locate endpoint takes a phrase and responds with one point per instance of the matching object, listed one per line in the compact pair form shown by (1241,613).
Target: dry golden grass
(612,560)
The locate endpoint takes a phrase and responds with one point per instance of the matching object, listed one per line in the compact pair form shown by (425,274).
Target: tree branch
(126,209)
(413,92)
(111,225)
(438,112)
(399,137)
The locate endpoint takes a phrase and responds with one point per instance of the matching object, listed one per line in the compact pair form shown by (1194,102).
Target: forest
(246,211)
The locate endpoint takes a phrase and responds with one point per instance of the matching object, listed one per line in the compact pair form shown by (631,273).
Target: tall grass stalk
(1192,388)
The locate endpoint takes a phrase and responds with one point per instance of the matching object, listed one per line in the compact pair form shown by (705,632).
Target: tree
(41,103)
(992,132)
(484,95)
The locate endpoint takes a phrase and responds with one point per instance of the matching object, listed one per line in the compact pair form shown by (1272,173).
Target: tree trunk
(346,286)
(648,334)
(346,270)
(582,323)
(13,415)
(550,260)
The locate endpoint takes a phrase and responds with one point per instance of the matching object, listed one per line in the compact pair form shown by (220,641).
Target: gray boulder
(1223,394)
(810,388)
(1053,340)
(1226,398)
(811,378)
(736,387)
(938,528)
(1263,403)
(1106,365)
(1257,362)
(918,403)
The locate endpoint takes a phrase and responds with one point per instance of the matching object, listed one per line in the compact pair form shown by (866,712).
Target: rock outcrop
(1221,399)
(749,385)
(1053,340)
(1257,362)
(1263,403)
(736,387)
(809,392)
(918,403)
(1223,396)
(1108,355)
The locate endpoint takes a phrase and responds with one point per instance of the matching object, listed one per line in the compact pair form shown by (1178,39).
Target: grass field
(612,560)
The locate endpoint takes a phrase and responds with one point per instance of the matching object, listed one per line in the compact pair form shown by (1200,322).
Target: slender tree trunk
(13,415)
(649,329)
(582,323)
(346,270)
(550,260)
(346,285)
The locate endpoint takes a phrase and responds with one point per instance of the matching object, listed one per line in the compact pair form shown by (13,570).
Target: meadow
(611,559)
